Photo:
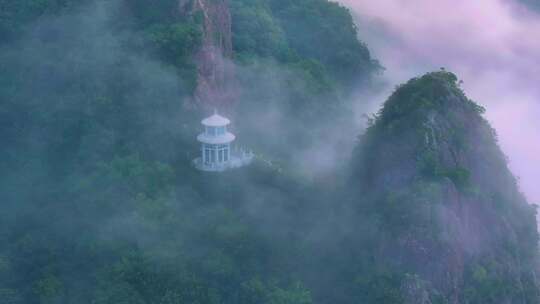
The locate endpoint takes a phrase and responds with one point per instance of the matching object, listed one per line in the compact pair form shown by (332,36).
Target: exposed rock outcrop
(215,71)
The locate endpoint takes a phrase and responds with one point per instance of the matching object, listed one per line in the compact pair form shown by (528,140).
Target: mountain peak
(431,168)
(435,91)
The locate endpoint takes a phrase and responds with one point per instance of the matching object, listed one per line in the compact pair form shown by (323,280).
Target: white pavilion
(216,153)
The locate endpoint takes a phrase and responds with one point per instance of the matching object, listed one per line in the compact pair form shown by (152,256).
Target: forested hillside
(100,202)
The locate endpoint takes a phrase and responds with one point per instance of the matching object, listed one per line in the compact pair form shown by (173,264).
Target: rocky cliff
(215,71)
(453,222)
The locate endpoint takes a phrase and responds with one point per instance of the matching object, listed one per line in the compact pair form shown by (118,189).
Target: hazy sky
(493,46)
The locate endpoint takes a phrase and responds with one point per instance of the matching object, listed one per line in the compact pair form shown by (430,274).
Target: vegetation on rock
(100,203)
(430,169)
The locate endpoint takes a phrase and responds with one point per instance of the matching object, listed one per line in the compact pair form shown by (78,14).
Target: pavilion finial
(215,111)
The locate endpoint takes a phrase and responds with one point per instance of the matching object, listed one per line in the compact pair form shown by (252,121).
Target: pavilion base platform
(236,161)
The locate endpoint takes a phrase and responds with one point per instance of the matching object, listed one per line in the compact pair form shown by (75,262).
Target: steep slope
(454,226)
(214,72)
(300,61)
(100,201)
(319,35)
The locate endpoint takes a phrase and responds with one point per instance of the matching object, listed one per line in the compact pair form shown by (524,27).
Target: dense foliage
(100,203)
(430,166)
(317,35)
(299,62)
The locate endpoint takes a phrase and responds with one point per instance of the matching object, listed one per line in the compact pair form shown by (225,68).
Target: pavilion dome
(216,120)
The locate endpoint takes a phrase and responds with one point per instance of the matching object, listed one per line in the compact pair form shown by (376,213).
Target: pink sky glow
(493,46)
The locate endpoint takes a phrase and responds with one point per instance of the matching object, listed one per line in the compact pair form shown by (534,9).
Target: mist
(101,202)
(99,135)
(492,45)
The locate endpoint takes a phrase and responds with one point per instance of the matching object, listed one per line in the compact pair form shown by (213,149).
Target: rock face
(430,169)
(215,72)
